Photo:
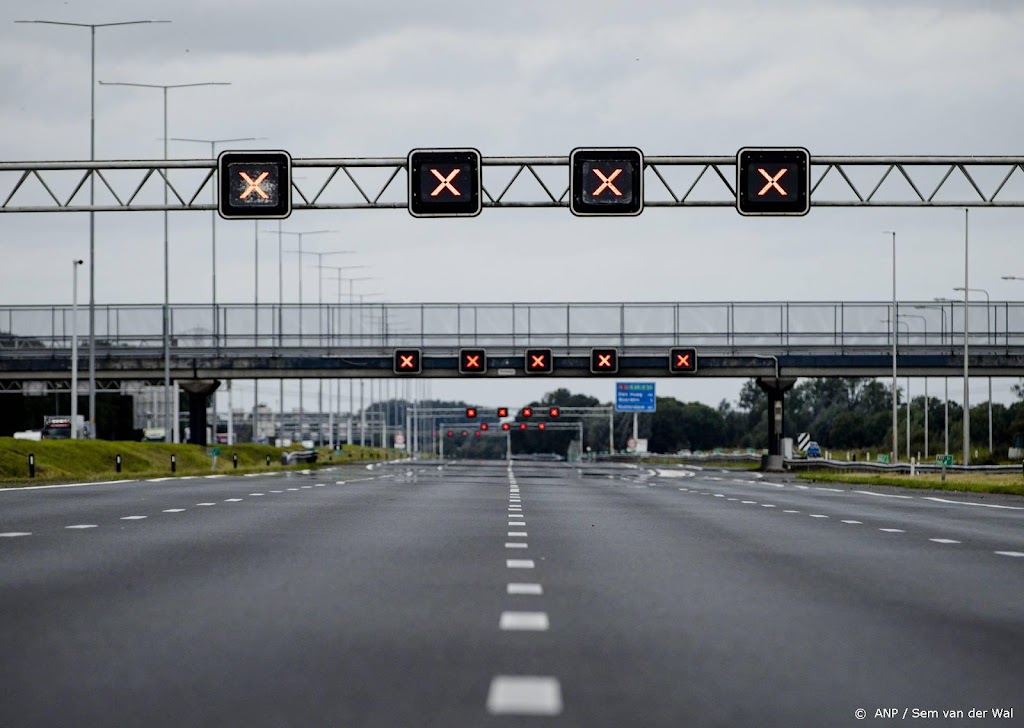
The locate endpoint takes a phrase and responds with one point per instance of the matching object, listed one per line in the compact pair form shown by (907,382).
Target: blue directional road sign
(634,397)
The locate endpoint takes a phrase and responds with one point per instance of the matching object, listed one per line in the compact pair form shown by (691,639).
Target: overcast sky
(525,78)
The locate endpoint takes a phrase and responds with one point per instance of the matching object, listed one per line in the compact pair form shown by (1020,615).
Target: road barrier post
(174,464)
(31,465)
(117,462)
(268,461)
(234,460)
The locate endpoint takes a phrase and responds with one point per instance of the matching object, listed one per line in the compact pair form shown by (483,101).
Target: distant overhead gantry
(461,182)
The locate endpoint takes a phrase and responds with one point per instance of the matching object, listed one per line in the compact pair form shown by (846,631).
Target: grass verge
(1005,483)
(85,460)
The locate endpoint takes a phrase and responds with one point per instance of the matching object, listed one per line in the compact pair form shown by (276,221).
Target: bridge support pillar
(199,391)
(775,388)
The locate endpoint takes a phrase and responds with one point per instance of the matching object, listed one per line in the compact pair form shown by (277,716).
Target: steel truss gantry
(513,182)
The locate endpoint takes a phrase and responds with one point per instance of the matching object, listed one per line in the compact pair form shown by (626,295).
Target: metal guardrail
(867,467)
(725,327)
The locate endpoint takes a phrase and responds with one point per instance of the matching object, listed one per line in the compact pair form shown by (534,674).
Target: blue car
(813,450)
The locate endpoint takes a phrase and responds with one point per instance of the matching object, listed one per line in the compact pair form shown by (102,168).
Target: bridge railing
(724,326)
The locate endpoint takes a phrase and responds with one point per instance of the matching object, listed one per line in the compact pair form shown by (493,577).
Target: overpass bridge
(335,341)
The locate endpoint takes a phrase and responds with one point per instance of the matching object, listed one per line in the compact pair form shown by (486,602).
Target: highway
(483,594)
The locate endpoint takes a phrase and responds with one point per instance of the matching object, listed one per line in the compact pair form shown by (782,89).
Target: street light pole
(924,324)
(895,313)
(92,193)
(74,348)
(967,388)
(170,434)
(988,336)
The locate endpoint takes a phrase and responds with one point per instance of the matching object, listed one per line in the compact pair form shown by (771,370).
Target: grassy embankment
(84,460)
(1006,483)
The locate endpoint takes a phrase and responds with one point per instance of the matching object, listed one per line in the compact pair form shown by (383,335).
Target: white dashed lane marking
(233,500)
(517,534)
(767,505)
(1017,554)
(175,510)
(524,695)
(81,526)
(818,515)
(255,494)
(525,589)
(943,540)
(524,621)
(519,563)
(206,504)
(15,534)
(132,518)
(514,545)
(892,530)
(277,491)
(749,503)
(854,523)
(791,511)
(517,523)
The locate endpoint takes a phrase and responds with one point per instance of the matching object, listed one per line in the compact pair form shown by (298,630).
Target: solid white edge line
(65,485)
(885,495)
(972,503)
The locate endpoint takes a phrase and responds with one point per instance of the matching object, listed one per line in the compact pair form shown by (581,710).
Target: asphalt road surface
(482,595)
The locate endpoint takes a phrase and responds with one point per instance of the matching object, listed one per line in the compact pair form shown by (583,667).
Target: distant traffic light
(472,361)
(554,412)
(444,183)
(476,434)
(682,361)
(470,413)
(465,433)
(503,412)
(526,411)
(604,361)
(773,181)
(407,361)
(606,181)
(451,433)
(522,425)
(505,426)
(254,184)
(541,426)
(539,361)
(484,426)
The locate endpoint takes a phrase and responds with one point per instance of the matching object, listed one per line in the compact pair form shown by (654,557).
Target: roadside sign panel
(634,397)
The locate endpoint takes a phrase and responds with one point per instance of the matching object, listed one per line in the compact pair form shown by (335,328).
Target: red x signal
(604,361)
(505,426)
(539,361)
(446,183)
(484,426)
(773,182)
(254,185)
(470,412)
(554,412)
(407,361)
(527,412)
(503,412)
(606,182)
(472,361)
(541,426)
(522,425)
(682,360)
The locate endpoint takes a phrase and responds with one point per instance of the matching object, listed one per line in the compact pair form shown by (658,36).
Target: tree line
(839,413)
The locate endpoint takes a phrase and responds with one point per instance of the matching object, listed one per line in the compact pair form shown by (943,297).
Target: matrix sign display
(773,181)
(606,181)
(445,183)
(254,184)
